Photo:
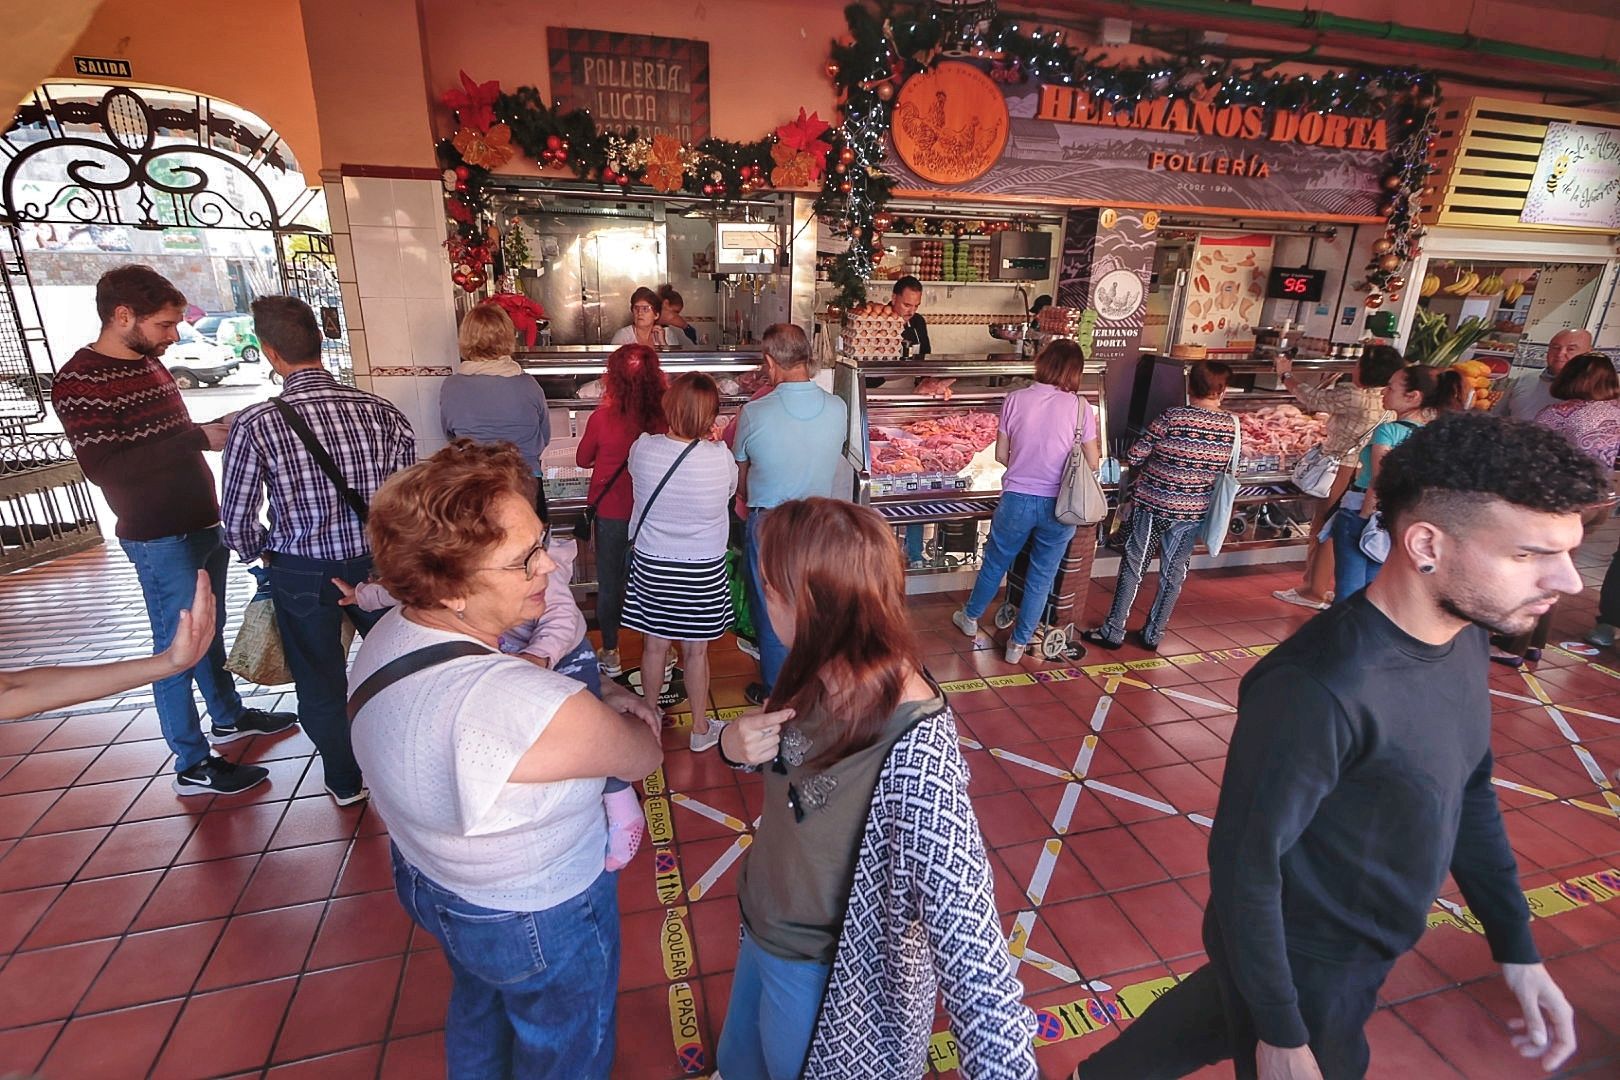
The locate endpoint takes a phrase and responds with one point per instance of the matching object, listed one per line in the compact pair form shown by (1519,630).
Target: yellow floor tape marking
(683,1025)
(999,681)
(1030,763)
(675,942)
(721,865)
(720,816)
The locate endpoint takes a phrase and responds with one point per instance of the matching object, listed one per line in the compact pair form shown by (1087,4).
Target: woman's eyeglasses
(531,561)
(642,309)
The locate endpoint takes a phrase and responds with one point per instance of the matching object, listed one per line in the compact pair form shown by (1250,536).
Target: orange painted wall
(250,54)
(766,57)
(368,68)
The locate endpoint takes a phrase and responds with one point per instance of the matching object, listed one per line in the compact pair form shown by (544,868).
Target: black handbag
(582,527)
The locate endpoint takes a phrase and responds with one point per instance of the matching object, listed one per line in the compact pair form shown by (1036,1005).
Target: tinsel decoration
(890,40)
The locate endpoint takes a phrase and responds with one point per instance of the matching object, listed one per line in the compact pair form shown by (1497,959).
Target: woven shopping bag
(257,653)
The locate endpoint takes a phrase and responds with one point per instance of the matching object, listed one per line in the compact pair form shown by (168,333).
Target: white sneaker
(965,624)
(608,660)
(704,740)
(1015,652)
(747,648)
(1291,596)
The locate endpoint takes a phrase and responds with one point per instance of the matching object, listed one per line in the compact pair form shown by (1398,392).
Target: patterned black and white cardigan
(922,923)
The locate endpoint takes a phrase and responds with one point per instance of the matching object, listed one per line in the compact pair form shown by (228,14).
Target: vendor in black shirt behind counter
(907,299)
(1360,774)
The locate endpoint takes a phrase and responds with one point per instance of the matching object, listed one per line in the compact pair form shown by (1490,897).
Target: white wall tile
(343,249)
(358,351)
(351,306)
(432,332)
(388,336)
(337,208)
(376,259)
(418,203)
(370,200)
(400,389)
(425,421)
(424,264)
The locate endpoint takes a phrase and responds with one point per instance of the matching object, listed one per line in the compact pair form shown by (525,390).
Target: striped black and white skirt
(681,601)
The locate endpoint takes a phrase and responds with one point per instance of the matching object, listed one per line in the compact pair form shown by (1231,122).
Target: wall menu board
(1577,179)
(657,85)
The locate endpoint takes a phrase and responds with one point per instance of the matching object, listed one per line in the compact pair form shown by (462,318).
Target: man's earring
(1426,568)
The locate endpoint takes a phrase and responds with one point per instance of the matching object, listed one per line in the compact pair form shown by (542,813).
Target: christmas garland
(888,41)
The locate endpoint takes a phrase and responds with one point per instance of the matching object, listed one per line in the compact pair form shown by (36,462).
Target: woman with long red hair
(632,406)
(867,892)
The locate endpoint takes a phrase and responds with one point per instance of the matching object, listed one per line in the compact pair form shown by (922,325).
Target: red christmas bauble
(846,156)
(462,172)
(885,91)
(623,180)
(554,142)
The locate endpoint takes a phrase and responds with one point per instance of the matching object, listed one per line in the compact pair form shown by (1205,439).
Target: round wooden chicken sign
(950,124)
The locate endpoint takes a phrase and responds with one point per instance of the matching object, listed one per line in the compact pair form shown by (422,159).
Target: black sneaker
(756,693)
(252,722)
(216,776)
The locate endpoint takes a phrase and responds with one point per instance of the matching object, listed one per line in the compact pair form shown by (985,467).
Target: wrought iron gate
(309,271)
(25,356)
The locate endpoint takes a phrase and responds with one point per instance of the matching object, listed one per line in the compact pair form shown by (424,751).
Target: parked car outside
(236,334)
(208,325)
(195,361)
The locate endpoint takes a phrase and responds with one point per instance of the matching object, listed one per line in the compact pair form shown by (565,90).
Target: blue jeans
(1352,570)
(1176,540)
(771,1016)
(533,991)
(772,653)
(1019,517)
(914,544)
(167,569)
(311,625)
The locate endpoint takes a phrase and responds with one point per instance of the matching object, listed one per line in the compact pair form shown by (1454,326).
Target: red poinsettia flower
(801,133)
(475,102)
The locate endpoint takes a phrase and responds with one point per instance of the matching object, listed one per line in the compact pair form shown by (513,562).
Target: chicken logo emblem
(950,124)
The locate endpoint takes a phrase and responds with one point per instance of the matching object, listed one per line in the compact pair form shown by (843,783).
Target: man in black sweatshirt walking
(1359,775)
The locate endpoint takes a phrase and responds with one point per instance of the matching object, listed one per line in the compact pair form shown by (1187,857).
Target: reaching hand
(1286,1063)
(624,702)
(1538,994)
(348,591)
(755,736)
(196,630)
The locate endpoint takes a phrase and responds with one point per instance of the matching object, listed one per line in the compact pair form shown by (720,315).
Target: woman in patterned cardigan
(867,892)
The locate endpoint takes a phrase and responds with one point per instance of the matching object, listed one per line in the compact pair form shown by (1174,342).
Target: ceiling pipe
(1322,28)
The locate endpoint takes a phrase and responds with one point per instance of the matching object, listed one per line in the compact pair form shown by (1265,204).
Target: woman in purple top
(1586,411)
(1038,428)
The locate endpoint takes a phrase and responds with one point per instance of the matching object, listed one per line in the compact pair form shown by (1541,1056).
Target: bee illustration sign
(950,124)
(1577,178)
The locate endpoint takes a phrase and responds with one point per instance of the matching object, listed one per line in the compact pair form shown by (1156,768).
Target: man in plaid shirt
(315,533)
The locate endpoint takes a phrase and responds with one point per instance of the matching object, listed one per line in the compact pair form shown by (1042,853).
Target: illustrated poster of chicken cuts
(1226,288)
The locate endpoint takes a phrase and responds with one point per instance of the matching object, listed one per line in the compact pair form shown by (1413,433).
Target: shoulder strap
(322,458)
(1237,443)
(691,446)
(1408,424)
(590,507)
(409,664)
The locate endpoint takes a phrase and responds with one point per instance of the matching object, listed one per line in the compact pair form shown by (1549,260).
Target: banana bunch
(1465,284)
(1513,292)
(1491,285)
(1431,285)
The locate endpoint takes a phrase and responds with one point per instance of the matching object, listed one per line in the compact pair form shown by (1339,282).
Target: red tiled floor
(252,1015)
(336,1009)
(103,907)
(152,966)
(261,934)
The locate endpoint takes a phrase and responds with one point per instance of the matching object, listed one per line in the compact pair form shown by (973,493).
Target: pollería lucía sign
(1577,179)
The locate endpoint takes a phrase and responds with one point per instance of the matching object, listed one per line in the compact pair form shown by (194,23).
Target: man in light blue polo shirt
(788,446)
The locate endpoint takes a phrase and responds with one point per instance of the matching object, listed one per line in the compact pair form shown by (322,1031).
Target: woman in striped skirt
(677,591)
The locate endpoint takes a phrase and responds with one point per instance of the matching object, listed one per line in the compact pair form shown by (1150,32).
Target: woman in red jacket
(632,405)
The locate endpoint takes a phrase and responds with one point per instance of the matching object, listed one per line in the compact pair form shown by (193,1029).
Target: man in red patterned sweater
(135,440)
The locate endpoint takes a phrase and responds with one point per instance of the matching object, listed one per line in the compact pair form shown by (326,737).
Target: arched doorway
(206,191)
(93,175)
